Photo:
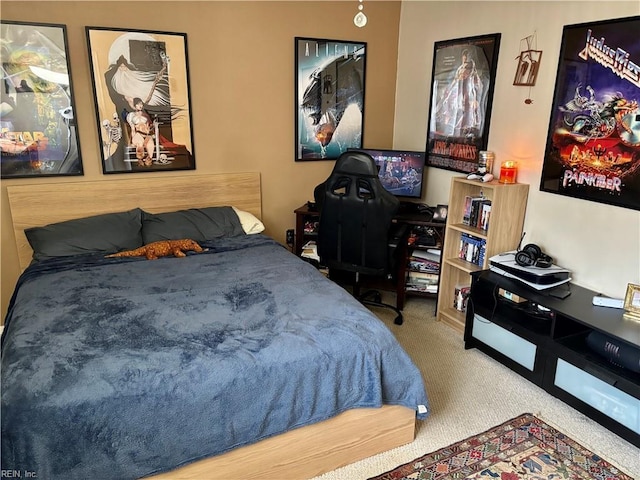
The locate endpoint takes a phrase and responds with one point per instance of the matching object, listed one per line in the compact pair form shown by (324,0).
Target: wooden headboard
(41,204)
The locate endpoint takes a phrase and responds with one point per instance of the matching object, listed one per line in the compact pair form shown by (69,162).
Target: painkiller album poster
(593,145)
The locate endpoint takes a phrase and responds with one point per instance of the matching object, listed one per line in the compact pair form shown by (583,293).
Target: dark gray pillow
(199,224)
(105,233)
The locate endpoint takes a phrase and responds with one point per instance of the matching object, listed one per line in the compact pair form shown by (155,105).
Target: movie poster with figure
(329,93)
(593,144)
(38,134)
(141,93)
(463,79)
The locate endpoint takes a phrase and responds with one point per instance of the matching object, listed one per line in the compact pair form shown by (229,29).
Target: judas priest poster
(461,96)
(593,144)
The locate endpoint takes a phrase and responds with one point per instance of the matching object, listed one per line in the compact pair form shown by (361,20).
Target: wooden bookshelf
(508,205)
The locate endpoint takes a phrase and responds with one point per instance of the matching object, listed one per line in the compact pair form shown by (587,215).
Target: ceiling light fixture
(360,20)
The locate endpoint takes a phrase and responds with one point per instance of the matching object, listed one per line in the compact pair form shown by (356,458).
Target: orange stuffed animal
(162,248)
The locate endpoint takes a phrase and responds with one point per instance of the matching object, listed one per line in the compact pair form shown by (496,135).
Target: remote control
(601,301)
(487,177)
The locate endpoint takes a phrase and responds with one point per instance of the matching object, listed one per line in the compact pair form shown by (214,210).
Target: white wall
(599,243)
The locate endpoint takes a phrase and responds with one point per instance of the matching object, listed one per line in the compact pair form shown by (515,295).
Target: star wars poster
(462,84)
(38,135)
(141,90)
(330,86)
(593,144)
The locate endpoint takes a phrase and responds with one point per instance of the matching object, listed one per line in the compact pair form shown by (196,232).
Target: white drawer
(614,403)
(517,349)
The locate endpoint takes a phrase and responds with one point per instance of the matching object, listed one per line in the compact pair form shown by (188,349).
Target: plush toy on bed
(162,248)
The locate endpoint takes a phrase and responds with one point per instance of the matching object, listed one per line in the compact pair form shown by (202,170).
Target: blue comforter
(120,368)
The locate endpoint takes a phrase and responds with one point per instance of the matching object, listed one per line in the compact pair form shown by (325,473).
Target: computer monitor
(400,171)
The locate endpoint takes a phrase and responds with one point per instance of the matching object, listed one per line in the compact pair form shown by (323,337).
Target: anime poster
(330,86)
(593,144)
(462,84)
(38,135)
(141,91)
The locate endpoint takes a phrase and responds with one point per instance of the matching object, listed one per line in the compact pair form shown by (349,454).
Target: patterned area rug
(524,448)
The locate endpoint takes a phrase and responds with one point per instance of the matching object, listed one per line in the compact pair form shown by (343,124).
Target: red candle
(508,172)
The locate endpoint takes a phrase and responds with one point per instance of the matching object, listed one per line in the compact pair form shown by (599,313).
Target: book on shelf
(486,215)
(423,277)
(431,254)
(425,288)
(425,260)
(460,297)
(475,217)
(466,211)
(477,210)
(419,265)
(469,202)
(310,250)
(426,282)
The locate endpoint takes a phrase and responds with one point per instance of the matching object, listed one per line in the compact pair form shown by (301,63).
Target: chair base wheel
(374,303)
(371,296)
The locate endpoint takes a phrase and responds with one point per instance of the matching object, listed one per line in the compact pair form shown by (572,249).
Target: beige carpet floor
(469,393)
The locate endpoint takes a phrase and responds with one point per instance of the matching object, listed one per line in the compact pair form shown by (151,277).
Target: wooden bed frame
(301,453)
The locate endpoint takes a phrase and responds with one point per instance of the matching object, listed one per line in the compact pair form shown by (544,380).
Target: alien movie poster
(38,135)
(329,84)
(593,144)
(141,93)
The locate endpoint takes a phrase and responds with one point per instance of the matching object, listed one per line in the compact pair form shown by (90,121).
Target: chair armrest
(398,234)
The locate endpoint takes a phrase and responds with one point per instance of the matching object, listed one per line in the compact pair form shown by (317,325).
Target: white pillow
(250,224)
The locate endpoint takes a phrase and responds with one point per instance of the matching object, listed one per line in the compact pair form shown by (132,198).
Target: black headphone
(533,256)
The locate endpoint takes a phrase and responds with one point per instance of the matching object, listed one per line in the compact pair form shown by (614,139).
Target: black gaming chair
(356,215)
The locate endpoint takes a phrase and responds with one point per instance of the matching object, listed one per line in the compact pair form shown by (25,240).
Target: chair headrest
(356,163)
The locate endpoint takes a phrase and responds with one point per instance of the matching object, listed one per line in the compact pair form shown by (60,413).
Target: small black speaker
(533,256)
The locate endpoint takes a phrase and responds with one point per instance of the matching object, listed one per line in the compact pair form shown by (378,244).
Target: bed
(241,361)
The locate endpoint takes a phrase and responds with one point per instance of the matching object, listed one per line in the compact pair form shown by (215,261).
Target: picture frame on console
(462,84)
(593,141)
(632,302)
(142,99)
(38,134)
(330,80)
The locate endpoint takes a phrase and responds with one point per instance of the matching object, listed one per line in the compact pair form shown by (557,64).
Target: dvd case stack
(422,282)
(477,211)
(472,249)
(424,271)
(427,261)
(460,297)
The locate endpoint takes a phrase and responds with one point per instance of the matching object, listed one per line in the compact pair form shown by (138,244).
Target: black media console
(545,339)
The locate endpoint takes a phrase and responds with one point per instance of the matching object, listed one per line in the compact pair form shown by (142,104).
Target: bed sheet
(120,368)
